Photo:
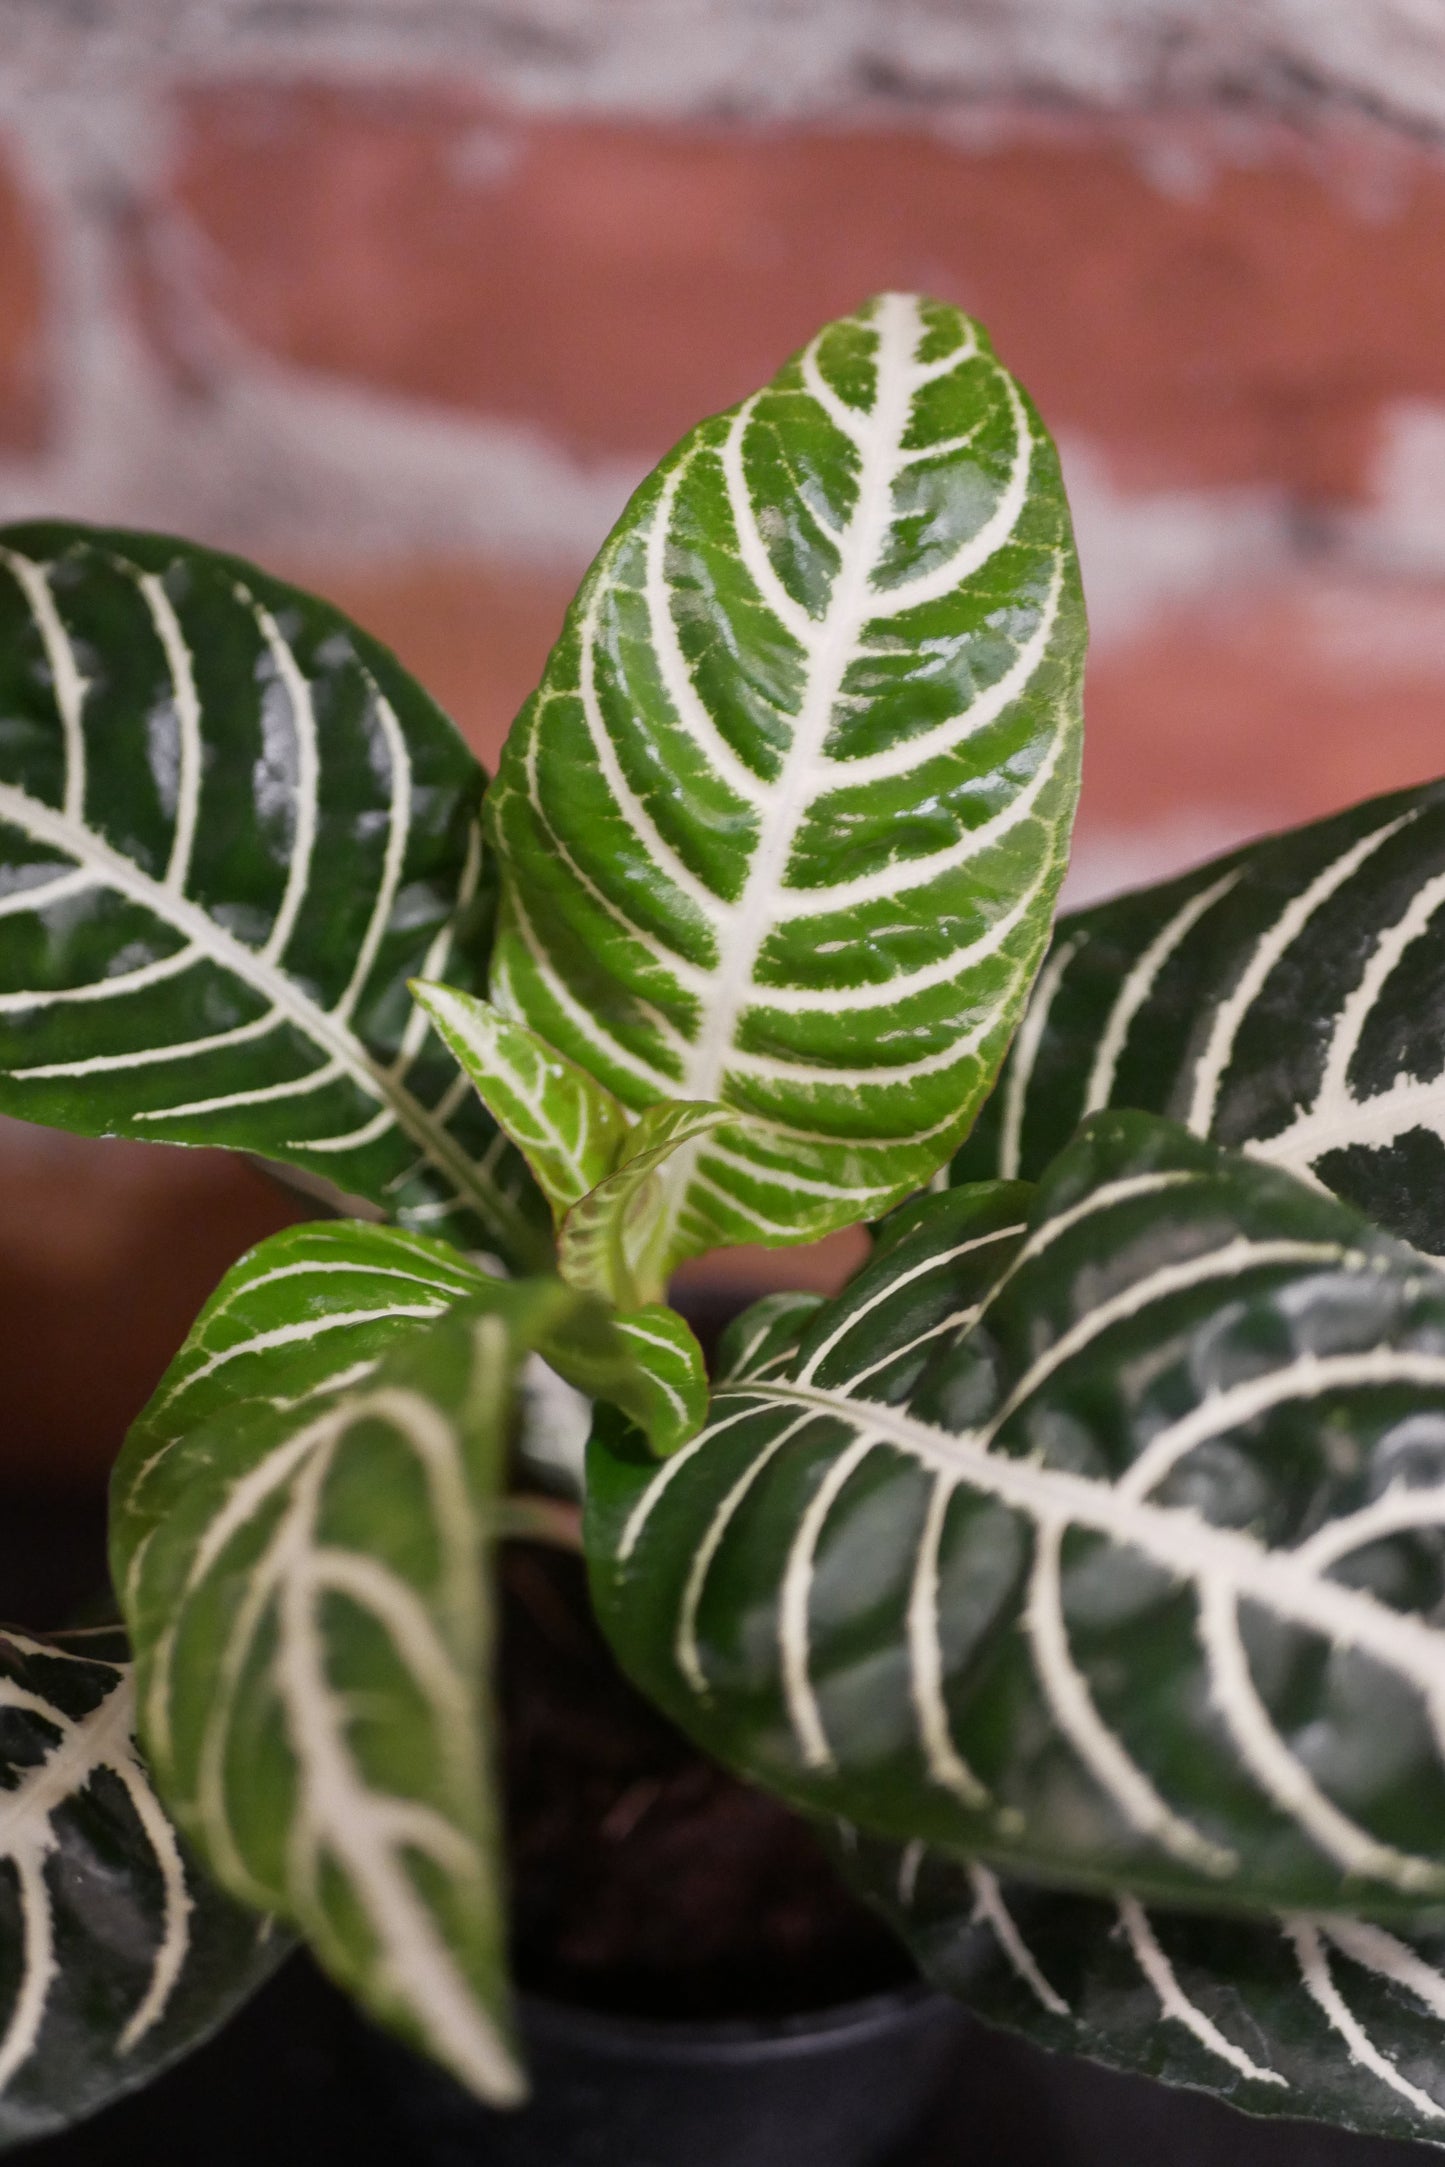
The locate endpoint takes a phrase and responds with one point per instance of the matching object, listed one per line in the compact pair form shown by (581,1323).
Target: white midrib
(1173,1537)
(790,801)
(45,825)
(87,1745)
(753,916)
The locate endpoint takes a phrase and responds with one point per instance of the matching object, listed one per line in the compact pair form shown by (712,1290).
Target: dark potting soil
(644,1879)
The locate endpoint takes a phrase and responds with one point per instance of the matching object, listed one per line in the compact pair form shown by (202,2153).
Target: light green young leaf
(231,828)
(568,1127)
(622,1239)
(1310,2014)
(646,1364)
(300,1317)
(670,1398)
(1288,1000)
(306,1587)
(310,1312)
(300,1527)
(783,826)
(1099,1537)
(117,1956)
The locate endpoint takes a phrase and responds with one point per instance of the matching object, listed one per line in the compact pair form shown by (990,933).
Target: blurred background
(402,297)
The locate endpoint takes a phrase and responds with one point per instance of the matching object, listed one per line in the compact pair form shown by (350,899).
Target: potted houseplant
(1078,1568)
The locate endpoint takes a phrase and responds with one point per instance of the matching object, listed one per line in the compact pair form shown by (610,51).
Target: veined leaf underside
(233,828)
(783,825)
(1107,1545)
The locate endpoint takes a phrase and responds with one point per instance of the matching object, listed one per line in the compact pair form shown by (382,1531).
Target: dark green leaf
(1288,1000)
(1315,2015)
(116,1954)
(231,828)
(1110,1546)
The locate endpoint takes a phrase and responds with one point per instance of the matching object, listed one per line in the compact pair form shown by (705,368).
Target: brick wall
(407,318)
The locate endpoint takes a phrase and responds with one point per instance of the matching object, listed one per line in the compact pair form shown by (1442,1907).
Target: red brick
(1280,705)
(107,1251)
(610,282)
(23,389)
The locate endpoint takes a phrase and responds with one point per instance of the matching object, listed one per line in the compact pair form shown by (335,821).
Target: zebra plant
(1080,1568)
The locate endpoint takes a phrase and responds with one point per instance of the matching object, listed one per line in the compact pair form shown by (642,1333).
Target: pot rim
(735,2039)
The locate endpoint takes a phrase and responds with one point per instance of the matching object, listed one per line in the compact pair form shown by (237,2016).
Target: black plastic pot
(846,2088)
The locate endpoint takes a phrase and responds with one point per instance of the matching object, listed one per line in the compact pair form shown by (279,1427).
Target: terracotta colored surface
(610,283)
(742,1274)
(22,320)
(1287,703)
(107,1250)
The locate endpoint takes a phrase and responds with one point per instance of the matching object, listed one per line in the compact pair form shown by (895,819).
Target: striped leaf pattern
(300,1318)
(568,1127)
(1288,999)
(309,1313)
(669,1399)
(1097,1535)
(306,1595)
(231,829)
(1304,2014)
(783,825)
(116,1955)
(299,1534)
(621,1240)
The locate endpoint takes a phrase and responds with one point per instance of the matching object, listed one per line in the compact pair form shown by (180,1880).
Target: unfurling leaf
(1288,1000)
(1307,2014)
(622,1239)
(1098,1536)
(783,825)
(117,1955)
(232,828)
(568,1127)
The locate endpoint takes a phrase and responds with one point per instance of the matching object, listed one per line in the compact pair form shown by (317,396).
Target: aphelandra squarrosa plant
(1079,1568)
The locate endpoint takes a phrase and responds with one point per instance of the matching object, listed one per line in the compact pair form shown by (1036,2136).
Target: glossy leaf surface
(302,1315)
(568,1127)
(231,828)
(1100,1536)
(1312,2014)
(116,1954)
(783,825)
(1288,1000)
